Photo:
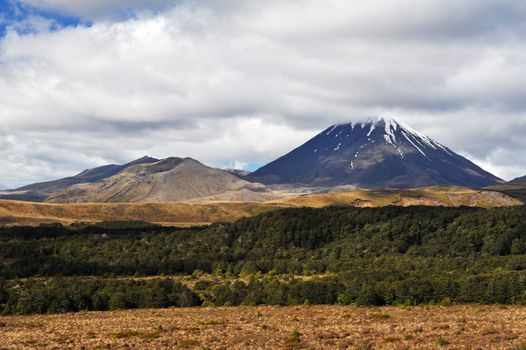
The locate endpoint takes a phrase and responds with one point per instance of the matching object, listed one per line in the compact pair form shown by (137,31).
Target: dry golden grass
(433,196)
(315,327)
(15,212)
(199,213)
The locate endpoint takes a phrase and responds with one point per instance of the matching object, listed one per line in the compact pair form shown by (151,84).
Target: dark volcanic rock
(374,154)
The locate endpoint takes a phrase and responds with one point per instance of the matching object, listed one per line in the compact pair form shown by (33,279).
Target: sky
(238,83)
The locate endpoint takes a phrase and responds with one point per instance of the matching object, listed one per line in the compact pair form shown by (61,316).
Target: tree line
(374,256)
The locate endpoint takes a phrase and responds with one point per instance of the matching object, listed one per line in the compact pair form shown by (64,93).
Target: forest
(364,256)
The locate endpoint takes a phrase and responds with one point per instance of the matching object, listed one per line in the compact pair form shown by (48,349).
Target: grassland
(205,212)
(185,214)
(265,327)
(432,196)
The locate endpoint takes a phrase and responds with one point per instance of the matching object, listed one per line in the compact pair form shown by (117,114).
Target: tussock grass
(318,327)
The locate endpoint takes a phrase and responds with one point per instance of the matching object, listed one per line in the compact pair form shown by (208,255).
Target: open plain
(266,327)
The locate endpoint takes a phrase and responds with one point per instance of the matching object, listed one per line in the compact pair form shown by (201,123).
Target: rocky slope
(170,179)
(39,192)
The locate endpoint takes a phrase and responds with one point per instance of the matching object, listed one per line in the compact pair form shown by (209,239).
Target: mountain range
(377,153)
(170,179)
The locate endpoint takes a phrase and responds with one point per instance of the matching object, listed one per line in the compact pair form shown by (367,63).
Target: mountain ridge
(519,180)
(39,192)
(169,179)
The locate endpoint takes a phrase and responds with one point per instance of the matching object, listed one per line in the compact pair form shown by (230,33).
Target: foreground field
(208,211)
(315,327)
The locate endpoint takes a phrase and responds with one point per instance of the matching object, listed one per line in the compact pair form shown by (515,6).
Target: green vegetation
(440,341)
(294,341)
(64,295)
(377,256)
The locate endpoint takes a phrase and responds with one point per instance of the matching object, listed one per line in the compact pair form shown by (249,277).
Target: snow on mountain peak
(378,151)
(390,131)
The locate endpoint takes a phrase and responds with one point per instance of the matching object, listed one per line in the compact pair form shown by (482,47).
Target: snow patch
(418,136)
(332,129)
(390,129)
(445,149)
(373,126)
(414,145)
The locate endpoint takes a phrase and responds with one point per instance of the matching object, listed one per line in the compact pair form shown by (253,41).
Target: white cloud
(222,81)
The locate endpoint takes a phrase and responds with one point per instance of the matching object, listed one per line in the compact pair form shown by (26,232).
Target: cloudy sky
(237,83)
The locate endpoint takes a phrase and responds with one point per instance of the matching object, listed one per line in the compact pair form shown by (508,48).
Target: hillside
(430,196)
(170,179)
(367,256)
(205,212)
(512,189)
(145,180)
(519,180)
(39,192)
(26,213)
(379,153)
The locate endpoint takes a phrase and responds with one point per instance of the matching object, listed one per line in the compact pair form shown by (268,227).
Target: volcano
(377,153)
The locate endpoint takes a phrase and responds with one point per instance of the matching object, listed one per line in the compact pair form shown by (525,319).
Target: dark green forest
(371,256)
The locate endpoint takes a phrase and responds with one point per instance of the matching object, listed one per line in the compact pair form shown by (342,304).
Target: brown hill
(185,214)
(431,196)
(170,179)
(205,212)
(513,189)
(39,192)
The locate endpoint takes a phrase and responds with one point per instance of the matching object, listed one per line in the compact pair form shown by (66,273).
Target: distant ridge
(378,153)
(39,192)
(166,180)
(519,180)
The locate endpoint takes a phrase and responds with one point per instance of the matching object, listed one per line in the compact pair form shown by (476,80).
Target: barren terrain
(314,327)
(208,211)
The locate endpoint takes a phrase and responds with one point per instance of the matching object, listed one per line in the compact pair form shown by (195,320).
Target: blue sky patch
(25,19)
